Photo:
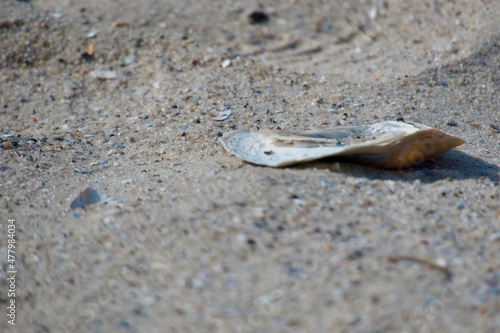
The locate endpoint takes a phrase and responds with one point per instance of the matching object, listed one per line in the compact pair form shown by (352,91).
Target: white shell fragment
(104,75)
(93,33)
(226,63)
(387,145)
(223,115)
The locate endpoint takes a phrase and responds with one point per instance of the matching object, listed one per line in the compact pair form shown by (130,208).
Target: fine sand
(120,96)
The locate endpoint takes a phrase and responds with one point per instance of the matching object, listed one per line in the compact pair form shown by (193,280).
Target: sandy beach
(178,235)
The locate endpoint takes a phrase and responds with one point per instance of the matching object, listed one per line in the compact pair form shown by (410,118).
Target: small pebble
(258,225)
(258,17)
(495,128)
(120,24)
(104,75)
(93,33)
(223,115)
(293,271)
(494,237)
(452,123)
(452,48)
(81,171)
(343,103)
(130,59)
(242,237)
(355,320)
(326,183)
(441,262)
(123,325)
(226,63)
(86,56)
(57,15)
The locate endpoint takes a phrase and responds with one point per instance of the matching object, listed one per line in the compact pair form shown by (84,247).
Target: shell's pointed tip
(456,141)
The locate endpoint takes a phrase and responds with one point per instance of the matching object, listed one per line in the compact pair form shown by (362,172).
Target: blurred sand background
(196,240)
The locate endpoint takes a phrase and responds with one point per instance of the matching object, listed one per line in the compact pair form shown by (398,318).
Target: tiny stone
(130,59)
(123,325)
(343,103)
(81,171)
(495,128)
(93,33)
(104,75)
(452,123)
(226,63)
(441,262)
(494,237)
(258,17)
(87,57)
(355,320)
(242,237)
(258,225)
(452,48)
(57,15)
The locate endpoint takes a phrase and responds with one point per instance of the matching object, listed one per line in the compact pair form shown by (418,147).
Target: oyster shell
(387,145)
